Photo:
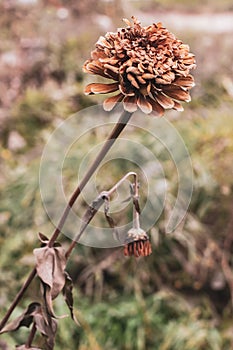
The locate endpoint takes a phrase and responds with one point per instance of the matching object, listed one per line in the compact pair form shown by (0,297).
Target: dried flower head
(137,243)
(149,66)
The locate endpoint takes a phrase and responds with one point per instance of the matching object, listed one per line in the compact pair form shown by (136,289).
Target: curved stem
(119,127)
(100,201)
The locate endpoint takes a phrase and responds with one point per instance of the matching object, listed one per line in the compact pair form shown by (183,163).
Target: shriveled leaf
(136,204)
(68,296)
(110,219)
(92,209)
(135,198)
(50,266)
(43,238)
(24,320)
(47,327)
(48,303)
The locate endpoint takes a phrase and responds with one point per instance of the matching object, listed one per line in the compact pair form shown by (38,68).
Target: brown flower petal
(130,103)
(165,101)
(148,76)
(110,102)
(187,82)
(177,93)
(132,80)
(97,88)
(157,109)
(144,105)
(178,107)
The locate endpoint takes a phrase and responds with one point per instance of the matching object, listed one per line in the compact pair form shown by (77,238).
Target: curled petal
(133,70)
(96,88)
(103,42)
(148,76)
(112,68)
(187,82)
(133,80)
(110,102)
(177,93)
(94,68)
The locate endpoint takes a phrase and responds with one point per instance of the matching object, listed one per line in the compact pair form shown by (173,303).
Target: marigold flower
(137,243)
(149,67)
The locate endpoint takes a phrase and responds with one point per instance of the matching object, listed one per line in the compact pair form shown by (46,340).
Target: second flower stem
(118,128)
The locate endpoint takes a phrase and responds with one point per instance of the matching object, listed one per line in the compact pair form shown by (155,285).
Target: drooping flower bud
(137,243)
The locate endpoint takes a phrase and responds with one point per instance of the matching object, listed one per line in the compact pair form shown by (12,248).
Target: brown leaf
(136,204)
(50,267)
(68,296)
(47,327)
(24,320)
(110,219)
(43,238)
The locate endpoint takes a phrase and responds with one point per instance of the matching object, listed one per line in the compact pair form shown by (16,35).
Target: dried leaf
(43,238)
(110,219)
(50,266)
(24,320)
(47,327)
(136,204)
(92,209)
(68,296)
(135,198)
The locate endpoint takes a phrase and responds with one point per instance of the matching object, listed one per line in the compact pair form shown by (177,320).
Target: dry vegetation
(181,296)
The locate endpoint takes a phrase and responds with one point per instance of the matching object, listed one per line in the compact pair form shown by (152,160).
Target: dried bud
(149,66)
(137,243)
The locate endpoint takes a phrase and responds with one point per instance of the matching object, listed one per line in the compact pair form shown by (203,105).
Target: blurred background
(181,296)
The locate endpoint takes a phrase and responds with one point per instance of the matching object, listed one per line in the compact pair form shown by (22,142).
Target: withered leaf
(110,219)
(92,209)
(47,327)
(136,204)
(68,296)
(135,198)
(43,238)
(24,320)
(50,266)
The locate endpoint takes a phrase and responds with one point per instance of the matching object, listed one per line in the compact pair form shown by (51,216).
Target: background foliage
(181,296)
